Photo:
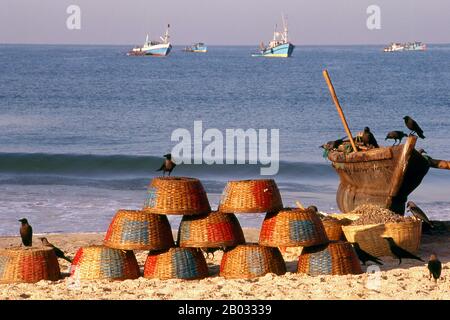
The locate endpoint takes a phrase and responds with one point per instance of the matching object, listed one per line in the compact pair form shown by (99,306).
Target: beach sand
(407,281)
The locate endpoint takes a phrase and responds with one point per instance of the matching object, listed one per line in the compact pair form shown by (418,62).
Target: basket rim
(177,178)
(128,247)
(19,249)
(381,224)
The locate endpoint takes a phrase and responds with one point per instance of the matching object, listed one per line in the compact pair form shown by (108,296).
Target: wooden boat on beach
(383,176)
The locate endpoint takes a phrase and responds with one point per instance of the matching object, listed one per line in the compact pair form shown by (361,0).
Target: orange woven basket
(333,229)
(292,227)
(30,264)
(176,195)
(139,230)
(100,262)
(176,263)
(251,196)
(251,261)
(210,231)
(335,258)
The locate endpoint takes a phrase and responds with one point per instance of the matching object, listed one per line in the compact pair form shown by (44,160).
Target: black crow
(413,126)
(399,252)
(418,213)
(26,233)
(435,267)
(59,253)
(330,145)
(368,138)
(396,135)
(168,165)
(365,256)
(313,209)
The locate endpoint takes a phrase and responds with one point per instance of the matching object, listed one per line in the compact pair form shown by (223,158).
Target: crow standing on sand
(413,126)
(399,252)
(418,213)
(396,135)
(26,233)
(167,165)
(435,267)
(365,256)
(59,253)
(368,138)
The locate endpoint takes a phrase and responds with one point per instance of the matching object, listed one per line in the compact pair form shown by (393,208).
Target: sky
(219,22)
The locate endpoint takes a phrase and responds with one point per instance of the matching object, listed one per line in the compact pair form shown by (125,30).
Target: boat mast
(166,35)
(285,27)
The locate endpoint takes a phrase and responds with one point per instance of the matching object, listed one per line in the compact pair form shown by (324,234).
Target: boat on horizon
(409,46)
(153,48)
(279,46)
(196,47)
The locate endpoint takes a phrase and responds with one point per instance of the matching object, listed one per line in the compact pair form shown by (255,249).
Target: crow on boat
(396,135)
(413,126)
(369,139)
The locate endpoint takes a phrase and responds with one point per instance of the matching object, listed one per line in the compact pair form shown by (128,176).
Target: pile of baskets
(200,230)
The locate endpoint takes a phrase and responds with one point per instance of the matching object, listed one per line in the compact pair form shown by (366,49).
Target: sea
(84,128)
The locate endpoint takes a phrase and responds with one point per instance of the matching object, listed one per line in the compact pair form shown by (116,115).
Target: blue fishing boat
(153,48)
(197,47)
(279,46)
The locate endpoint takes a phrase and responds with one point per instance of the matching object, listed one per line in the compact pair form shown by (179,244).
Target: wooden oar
(299,205)
(339,109)
(439,164)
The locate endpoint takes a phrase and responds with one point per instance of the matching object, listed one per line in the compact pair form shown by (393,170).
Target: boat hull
(281,51)
(368,177)
(159,50)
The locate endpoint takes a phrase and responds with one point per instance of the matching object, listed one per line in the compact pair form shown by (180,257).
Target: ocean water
(83,128)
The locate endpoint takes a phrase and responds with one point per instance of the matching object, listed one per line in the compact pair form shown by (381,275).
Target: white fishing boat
(279,46)
(394,47)
(153,48)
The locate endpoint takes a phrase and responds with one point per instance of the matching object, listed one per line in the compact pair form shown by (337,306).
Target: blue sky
(231,22)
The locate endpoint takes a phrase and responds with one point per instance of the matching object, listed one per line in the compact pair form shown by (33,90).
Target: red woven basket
(292,228)
(210,231)
(251,196)
(176,195)
(30,265)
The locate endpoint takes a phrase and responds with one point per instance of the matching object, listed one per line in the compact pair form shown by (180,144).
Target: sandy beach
(407,281)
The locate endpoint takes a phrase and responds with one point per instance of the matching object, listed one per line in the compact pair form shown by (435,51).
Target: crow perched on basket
(26,233)
(168,165)
(418,213)
(59,253)
(413,126)
(399,252)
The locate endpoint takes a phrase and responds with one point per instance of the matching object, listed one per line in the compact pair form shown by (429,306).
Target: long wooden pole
(339,109)
(439,164)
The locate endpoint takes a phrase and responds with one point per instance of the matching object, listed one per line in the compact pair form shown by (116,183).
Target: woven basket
(139,230)
(251,261)
(336,258)
(250,196)
(210,231)
(176,263)
(100,262)
(292,228)
(176,195)
(29,264)
(370,237)
(333,229)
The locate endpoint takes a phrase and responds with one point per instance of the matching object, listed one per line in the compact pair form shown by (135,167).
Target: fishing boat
(393,47)
(197,47)
(415,46)
(382,176)
(279,46)
(153,48)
